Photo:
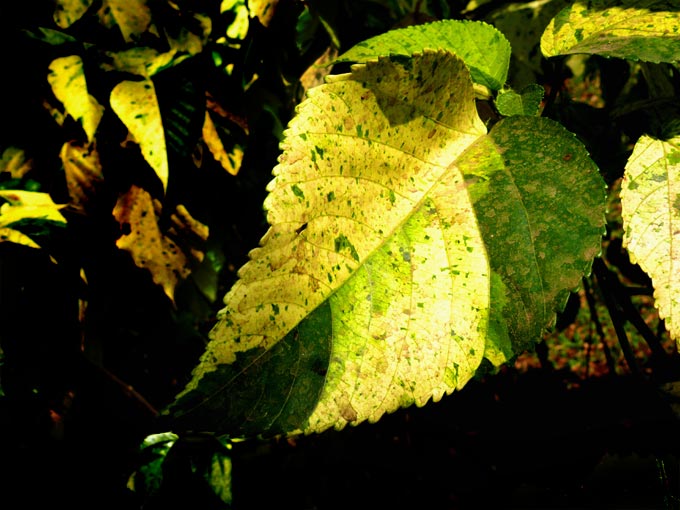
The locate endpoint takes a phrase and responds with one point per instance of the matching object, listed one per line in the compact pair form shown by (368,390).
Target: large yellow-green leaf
(68,83)
(406,245)
(647,30)
(488,67)
(650,207)
(136,105)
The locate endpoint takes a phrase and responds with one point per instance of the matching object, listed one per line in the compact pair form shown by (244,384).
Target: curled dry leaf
(14,162)
(230,160)
(317,72)
(83,173)
(152,249)
(189,233)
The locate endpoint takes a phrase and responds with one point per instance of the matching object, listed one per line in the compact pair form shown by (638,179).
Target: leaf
(23,205)
(173,466)
(146,62)
(650,208)
(132,17)
(238,29)
(230,161)
(647,30)
(150,248)
(405,246)
(527,102)
(464,38)
(67,12)
(148,478)
(316,73)
(263,10)
(136,105)
(14,162)
(523,23)
(67,80)
(10,235)
(141,61)
(83,171)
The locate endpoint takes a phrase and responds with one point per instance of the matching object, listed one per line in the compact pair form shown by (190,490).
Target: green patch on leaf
(527,102)
(297,191)
(344,244)
(464,38)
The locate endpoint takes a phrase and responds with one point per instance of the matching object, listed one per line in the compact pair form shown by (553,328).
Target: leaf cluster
(433,210)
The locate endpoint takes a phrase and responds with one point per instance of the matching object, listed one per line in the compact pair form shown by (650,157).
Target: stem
(604,278)
(598,326)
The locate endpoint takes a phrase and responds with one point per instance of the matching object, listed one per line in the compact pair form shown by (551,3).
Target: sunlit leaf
(146,62)
(141,61)
(650,207)
(238,29)
(67,12)
(150,248)
(132,17)
(23,205)
(10,235)
(136,105)
(647,30)
(263,10)
(406,245)
(464,38)
(230,161)
(83,171)
(69,86)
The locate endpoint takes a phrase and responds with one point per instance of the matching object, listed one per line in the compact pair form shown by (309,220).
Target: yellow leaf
(189,233)
(231,162)
(13,160)
(239,27)
(149,247)
(263,10)
(83,173)
(650,208)
(10,235)
(67,12)
(133,17)
(68,83)
(141,61)
(23,205)
(136,105)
